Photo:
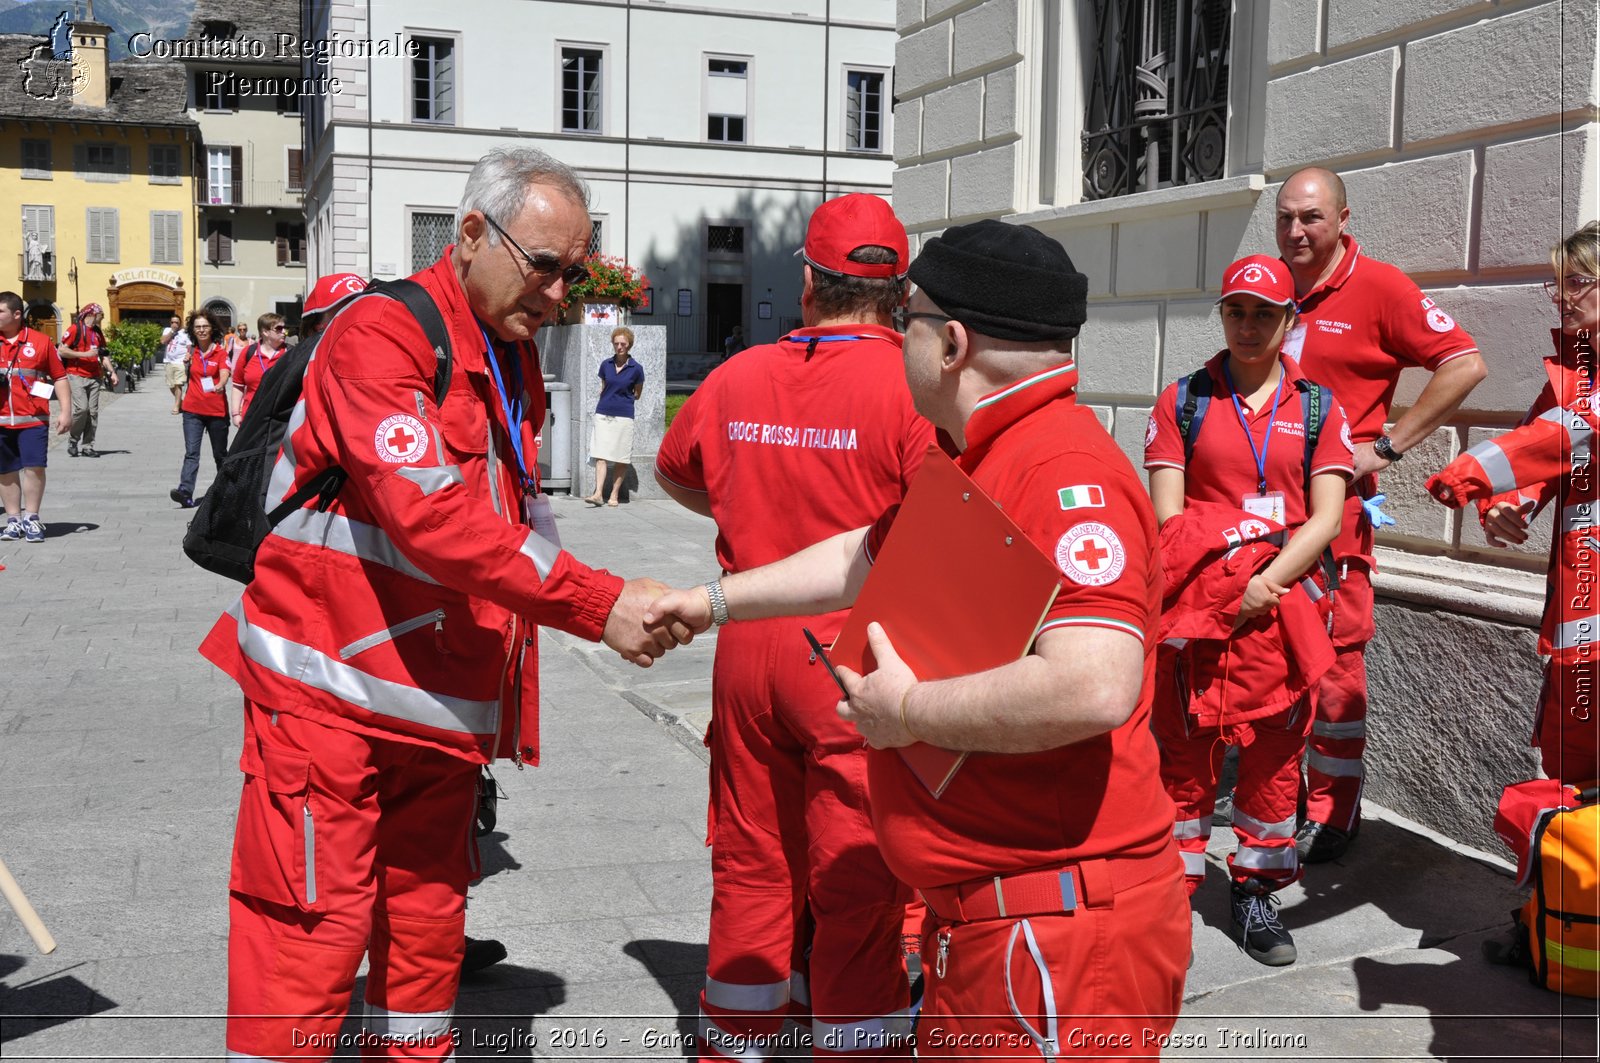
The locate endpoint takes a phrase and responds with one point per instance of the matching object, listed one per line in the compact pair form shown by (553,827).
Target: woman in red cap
(1274,456)
(83,349)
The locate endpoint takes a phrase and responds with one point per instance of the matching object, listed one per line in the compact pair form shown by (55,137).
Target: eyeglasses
(279,328)
(1571,286)
(543,265)
(909,316)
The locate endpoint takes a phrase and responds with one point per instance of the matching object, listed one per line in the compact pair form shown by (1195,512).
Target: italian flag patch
(1083,496)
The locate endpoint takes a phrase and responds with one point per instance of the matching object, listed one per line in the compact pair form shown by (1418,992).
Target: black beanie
(1011,282)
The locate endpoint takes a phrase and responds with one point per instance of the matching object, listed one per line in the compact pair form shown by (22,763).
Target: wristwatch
(1384,448)
(719,603)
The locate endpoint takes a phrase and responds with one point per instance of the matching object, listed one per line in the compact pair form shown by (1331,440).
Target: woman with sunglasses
(247,367)
(205,404)
(1542,461)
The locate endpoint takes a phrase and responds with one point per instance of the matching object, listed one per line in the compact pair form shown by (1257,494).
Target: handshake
(651,618)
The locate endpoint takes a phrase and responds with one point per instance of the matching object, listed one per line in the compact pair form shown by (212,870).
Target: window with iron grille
(36,160)
(597,242)
(214,91)
(863,111)
(433,81)
(291,243)
(219,242)
(164,164)
(1157,112)
(725,239)
(431,233)
(580,90)
(104,235)
(725,127)
(166,237)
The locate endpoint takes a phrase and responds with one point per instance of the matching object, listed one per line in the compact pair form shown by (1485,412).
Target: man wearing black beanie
(1048,865)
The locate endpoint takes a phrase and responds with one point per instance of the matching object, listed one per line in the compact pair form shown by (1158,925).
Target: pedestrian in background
(174,346)
(205,404)
(83,351)
(247,367)
(611,439)
(32,373)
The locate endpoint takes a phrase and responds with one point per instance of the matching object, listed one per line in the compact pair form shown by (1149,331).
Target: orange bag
(1562,863)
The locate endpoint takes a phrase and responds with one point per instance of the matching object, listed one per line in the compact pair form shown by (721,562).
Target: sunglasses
(1570,286)
(543,265)
(279,328)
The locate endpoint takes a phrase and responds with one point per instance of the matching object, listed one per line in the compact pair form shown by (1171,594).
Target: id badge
(207,384)
(1295,341)
(1268,506)
(40,390)
(541,518)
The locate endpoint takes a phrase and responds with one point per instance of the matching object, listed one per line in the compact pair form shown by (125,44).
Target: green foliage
(674,404)
(609,278)
(131,341)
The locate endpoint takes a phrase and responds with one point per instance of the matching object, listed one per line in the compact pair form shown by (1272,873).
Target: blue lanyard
(512,407)
(792,338)
(1238,409)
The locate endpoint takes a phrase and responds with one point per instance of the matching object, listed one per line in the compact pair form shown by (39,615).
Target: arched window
(44,318)
(221,313)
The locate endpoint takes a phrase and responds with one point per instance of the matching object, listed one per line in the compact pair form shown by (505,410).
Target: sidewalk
(118,780)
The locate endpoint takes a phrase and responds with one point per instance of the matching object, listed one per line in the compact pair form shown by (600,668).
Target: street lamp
(72,275)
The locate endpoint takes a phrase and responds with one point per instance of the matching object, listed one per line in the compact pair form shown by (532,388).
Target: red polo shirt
(824,425)
(206,365)
(1059,475)
(1363,325)
(78,338)
(28,358)
(1224,469)
(244,374)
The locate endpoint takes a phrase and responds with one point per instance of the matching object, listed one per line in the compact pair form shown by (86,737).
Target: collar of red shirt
(1347,266)
(1001,409)
(23,334)
(1219,379)
(799,336)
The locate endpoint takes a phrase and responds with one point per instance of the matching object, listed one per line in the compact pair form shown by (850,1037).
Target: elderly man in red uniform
(386,646)
(1361,322)
(32,372)
(792,837)
(1058,923)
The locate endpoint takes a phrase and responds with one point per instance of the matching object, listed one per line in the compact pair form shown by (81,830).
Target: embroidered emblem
(401,438)
(1091,554)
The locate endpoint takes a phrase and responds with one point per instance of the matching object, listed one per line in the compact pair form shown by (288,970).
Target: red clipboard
(958,588)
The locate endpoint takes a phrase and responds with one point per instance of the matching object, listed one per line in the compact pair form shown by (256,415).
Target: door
(724,309)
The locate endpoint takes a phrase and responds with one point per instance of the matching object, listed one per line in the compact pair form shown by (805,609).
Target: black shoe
(1262,937)
(481,954)
(182,497)
(88,451)
(72,448)
(1317,843)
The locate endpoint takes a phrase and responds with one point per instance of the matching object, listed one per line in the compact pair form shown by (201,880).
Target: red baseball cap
(839,226)
(1261,276)
(332,289)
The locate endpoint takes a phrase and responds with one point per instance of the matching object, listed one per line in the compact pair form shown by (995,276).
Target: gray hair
(498,185)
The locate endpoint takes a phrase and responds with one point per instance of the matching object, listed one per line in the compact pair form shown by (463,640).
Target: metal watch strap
(719,602)
(1384,448)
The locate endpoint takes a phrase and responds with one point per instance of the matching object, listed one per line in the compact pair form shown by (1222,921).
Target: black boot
(480,954)
(1255,920)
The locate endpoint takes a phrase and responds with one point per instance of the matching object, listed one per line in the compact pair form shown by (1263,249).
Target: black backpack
(232,518)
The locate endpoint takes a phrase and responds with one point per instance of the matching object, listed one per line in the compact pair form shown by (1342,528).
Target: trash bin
(555,437)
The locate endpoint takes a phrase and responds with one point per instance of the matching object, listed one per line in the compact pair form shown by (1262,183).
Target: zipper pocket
(389,634)
(310,828)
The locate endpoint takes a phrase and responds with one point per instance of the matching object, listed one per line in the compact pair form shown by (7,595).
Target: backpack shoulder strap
(1194,396)
(426,311)
(1315,401)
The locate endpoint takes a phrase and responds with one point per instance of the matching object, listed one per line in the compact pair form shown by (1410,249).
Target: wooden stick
(30,918)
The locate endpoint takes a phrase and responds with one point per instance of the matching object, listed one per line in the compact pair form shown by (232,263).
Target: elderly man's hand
(876,700)
(625,629)
(685,613)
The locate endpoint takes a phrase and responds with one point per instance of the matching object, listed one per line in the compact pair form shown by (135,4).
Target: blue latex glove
(1375,516)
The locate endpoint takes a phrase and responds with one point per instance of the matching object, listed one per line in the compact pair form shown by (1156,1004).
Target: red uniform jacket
(407,610)
(1551,455)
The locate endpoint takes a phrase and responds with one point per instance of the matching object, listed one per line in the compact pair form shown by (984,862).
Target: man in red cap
(327,294)
(1361,322)
(83,350)
(784,446)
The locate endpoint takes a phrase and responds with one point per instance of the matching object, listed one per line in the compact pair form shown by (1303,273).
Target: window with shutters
(291,241)
(582,95)
(215,91)
(863,110)
(296,175)
(104,235)
(225,176)
(38,242)
(433,80)
(166,237)
(219,242)
(431,233)
(36,164)
(164,164)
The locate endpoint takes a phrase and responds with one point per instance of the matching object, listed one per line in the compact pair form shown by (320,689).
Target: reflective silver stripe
(1283,858)
(1580,632)
(412,1024)
(1284,828)
(1496,466)
(345,536)
(389,634)
(494,468)
(1347,729)
(1192,828)
(1579,434)
(6,422)
(1577,518)
(733,1046)
(1313,591)
(1193,863)
(309,827)
(541,551)
(799,988)
(865,1035)
(1338,767)
(382,696)
(431,478)
(282,483)
(731,996)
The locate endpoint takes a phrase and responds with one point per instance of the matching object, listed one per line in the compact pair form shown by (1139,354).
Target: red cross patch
(1091,554)
(401,438)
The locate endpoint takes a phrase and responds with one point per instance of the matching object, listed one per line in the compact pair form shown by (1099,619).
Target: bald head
(1314,181)
(1311,219)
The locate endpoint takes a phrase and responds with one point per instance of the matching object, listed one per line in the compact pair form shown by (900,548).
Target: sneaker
(32,530)
(12,531)
(88,451)
(182,497)
(1261,936)
(72,448)
(480,954)
(1317,843)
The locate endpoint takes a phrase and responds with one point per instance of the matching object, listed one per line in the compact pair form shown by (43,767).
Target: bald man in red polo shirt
(1361,322)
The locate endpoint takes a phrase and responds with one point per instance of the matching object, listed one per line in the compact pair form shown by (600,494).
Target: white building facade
(707,131)
(1466,133)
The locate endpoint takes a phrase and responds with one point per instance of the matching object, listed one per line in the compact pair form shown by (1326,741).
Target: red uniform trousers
(1100,982)
(1567,730)
(793,849)
(1264,798)
(1334,773)
(346,845)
